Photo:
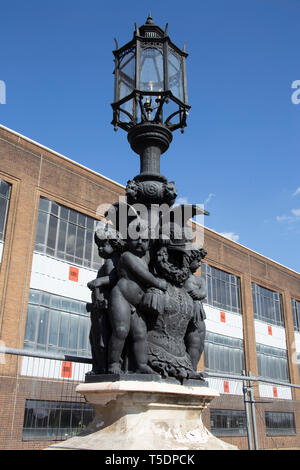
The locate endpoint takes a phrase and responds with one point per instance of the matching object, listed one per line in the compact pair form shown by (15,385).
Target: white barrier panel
(223,322)
(274,391)
(224,386)
(54,369)
(270,335)
(297,341)
(60,278)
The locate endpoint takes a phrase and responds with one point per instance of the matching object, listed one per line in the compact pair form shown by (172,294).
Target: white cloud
(289,218)
(296,212)
(297,192)
(231,236)
(209,198)
(284,218)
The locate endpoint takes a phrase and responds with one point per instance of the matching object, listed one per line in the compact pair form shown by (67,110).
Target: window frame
(56,408)
(52,241)
(33,333)
(229,416)
(296,314)
(272,356)
(213,356)
(223,289)
(288,431)
(7,199)
(261,297)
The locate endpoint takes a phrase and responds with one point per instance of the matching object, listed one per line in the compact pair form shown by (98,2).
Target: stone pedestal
(137,415)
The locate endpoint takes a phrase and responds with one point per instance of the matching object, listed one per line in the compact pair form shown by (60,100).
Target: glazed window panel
(5,190)
(228,422)
(66,234)
(272,362)
(223,289)
(279,423)
(223,354)
(55,420)
(57,324)
(296,314)
(267,305)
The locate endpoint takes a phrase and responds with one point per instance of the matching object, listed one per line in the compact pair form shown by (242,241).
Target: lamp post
(148,330)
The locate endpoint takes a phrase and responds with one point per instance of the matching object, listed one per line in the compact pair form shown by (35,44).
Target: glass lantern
(150,80)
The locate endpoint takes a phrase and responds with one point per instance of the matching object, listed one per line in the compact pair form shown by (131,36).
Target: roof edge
(123,187)
(246,248)
(48,149)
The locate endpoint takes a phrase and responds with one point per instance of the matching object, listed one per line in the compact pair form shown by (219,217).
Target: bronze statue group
(146,311)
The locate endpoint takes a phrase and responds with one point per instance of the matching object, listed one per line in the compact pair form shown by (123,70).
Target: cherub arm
(196,287)
(109,276)
(141,272)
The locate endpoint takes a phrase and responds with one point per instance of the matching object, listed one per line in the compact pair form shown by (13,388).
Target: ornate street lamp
(150,102)
(150,99)
(146,310)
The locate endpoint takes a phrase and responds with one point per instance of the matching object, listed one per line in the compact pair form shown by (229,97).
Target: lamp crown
(150,29)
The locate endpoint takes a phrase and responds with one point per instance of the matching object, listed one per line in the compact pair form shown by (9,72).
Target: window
(272,362)
(296,314)
(66,234)
(267,305)
(298,362)
(55,420)
(278,423)
(223,289)
(223,354)
(57,324)
(5,189)
(228,422)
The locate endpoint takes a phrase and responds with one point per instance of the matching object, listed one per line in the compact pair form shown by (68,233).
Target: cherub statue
(110,247)
(196,288)
(125,315)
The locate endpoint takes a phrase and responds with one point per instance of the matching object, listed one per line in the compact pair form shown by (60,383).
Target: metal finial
(137,31)
(149,19)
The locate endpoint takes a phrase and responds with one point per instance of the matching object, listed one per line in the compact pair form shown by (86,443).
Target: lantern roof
(150,29)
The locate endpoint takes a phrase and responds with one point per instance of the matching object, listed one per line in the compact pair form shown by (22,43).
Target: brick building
(48,207)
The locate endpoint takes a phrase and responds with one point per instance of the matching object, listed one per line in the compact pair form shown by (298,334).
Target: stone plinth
(138,415)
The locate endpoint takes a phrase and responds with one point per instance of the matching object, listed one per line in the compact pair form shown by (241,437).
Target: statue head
(139,237)
(108,240)
(194,257)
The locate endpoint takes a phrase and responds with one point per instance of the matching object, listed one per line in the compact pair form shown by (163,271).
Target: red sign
(270,330)
(66,369)
(275,393)
(222,317)
(226,386)
(73,274)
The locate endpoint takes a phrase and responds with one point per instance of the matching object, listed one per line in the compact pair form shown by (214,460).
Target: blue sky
(240,151)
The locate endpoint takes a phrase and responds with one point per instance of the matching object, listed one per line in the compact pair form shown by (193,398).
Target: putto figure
(125,315)
(196,288)
(110,247)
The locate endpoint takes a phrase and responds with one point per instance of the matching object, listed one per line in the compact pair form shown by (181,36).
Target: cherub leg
(139,343)
(119,313)
(194,341)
